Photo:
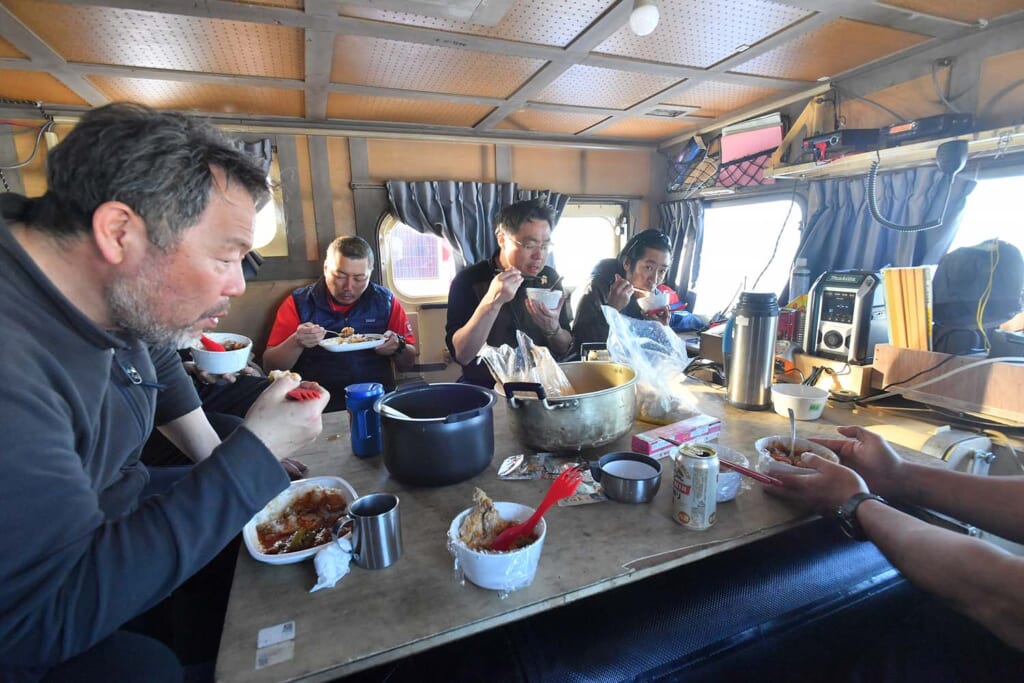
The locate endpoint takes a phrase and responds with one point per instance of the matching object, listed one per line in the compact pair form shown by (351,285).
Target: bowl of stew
(774,454)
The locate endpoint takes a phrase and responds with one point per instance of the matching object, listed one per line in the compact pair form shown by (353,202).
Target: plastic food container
(548,297)
(767,464)
(222,362)
(501,571)
(807,402)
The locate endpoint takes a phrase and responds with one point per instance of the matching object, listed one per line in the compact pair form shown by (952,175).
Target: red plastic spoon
(210,345)
(562,487)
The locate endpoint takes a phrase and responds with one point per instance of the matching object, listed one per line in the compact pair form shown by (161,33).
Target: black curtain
(840,234)
(461,213)
(683,222)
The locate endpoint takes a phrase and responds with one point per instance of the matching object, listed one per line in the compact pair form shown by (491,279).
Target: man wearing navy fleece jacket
(138,241)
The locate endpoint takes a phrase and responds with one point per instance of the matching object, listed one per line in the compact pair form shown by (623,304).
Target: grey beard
(130,312)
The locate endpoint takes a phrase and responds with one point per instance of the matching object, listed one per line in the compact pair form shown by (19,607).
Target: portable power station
(846,316)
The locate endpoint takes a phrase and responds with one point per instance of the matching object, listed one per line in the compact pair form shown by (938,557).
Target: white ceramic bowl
(807,402)
(505,571)
(653,302)
(548,297)
(278,504)
(222,362)
(768,464)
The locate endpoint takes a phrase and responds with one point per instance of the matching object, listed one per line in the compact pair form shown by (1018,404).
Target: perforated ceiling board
(645,128)
(594,86)
(828,51)
(703,33)
(714,98)
(203,97)
(104,35)
(549,121)
(290,4)
(960,10)
(33,85)
(540,22)
(8,50)
(413,66)
(398,110)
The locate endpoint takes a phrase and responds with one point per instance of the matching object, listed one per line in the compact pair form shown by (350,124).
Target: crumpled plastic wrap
(332,563)
(527,362)
(659,357)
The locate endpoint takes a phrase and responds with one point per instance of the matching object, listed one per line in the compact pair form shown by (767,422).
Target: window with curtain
(416,266)
(992,211)
(587,233)
(748,245)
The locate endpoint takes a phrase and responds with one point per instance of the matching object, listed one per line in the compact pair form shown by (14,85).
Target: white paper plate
(337,345)
(281,501)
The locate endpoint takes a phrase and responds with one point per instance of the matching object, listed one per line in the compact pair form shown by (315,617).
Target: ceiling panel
(397,110)
(290,4)
(549,121)
(203,97)
(412,66)
(960,10)
(593,86)
(33,85)
(831,50)
(8,50)
(714,98)
(646,128)
(703,33)
(104,35)
(540,22)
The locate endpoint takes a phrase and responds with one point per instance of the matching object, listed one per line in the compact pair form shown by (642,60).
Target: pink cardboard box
(702,427)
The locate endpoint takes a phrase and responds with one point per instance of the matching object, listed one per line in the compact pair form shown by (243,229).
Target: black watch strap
(847,514)
(401,344)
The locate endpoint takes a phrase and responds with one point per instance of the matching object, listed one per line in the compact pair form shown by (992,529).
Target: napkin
(332,563)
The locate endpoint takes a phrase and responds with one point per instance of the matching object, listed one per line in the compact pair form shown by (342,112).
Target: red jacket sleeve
(286,322)
(399,322)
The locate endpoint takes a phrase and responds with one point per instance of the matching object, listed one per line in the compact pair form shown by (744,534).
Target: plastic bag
(526,363)
(659,357)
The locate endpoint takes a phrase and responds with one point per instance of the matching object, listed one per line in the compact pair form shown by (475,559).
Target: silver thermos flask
(750,343)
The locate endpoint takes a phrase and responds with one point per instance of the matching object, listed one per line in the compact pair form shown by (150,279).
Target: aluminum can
(695,486)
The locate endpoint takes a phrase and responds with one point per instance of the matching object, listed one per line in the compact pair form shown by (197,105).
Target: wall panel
(429,160)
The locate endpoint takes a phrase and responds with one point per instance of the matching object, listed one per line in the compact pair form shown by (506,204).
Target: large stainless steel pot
(602,409)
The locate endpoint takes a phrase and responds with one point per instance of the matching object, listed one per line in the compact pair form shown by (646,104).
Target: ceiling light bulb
(644,17)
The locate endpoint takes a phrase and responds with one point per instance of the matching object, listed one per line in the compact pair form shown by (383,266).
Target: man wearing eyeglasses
(638,271)
(343,297)
(487,302)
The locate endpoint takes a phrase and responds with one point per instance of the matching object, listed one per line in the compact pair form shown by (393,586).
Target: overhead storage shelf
(988,143)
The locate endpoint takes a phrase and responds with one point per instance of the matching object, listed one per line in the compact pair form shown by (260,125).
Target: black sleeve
(462,302)
(590,325)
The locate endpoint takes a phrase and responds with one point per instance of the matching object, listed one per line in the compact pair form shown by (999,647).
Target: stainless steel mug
(376,530)
(751,342)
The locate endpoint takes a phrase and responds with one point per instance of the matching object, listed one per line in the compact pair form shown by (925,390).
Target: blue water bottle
(363,420)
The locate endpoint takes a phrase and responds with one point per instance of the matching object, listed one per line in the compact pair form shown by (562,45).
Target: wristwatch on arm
(847,514)
(401,345)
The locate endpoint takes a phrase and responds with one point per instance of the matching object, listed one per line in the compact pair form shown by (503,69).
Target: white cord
(933,380)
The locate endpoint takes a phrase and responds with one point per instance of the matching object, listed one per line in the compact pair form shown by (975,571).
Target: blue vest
(335,371)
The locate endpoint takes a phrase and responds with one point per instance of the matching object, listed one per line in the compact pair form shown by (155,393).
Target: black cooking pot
(445,436)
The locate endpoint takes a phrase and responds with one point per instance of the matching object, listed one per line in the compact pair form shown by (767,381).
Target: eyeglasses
(532,247)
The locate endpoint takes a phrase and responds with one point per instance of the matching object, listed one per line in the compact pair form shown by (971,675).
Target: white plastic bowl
(653,302)
(548,297)
(807,402)
(504,571)
(222,362)
(767,464)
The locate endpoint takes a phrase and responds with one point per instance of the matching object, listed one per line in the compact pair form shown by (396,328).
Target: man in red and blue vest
(343,297)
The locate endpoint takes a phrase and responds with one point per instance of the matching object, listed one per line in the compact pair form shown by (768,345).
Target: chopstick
(753,474)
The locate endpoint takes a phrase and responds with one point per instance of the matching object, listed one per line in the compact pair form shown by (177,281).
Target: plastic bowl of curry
(297,522)
(774,454)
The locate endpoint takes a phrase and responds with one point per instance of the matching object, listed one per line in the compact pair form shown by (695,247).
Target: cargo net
(695,167)
(746,171)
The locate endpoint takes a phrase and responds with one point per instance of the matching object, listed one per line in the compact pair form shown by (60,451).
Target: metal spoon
(553,284)
(792,432)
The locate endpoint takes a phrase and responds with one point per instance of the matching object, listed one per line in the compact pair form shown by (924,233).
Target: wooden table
(373,617)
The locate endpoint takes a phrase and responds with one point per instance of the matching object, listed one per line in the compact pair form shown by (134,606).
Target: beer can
(695,486)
